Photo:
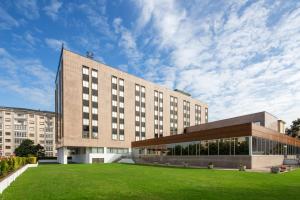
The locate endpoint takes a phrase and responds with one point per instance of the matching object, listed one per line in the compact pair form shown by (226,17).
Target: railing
(20,127)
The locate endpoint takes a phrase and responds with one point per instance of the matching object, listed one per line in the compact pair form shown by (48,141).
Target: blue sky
(238,56)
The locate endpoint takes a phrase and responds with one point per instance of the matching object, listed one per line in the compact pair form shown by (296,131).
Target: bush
(31,160)
(4,167)
(13,163)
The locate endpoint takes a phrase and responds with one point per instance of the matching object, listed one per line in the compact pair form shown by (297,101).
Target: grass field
(120,181)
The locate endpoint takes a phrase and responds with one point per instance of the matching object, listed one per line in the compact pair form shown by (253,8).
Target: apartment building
(100,110)
(18,124)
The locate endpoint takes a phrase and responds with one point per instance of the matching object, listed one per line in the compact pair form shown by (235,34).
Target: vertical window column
(95,104)
(121,110)
(85,103)
(143,113)
(197,114)
(173,115)
(114,100)
(117,87)
(186,113)
(206,115)
(158,114)
(140,112)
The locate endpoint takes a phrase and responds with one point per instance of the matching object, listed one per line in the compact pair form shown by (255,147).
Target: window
(94,73)
(85,109)
(85,122)
(85,96)
(94,86)
(114,80)
(95,111)
(121,82)
(95,123)
(94,98)
(85,70)
(85,84)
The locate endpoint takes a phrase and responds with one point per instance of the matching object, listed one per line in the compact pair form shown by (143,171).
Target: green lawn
(120,181)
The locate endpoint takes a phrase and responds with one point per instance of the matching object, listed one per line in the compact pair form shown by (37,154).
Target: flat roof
(26,110)
(240,130)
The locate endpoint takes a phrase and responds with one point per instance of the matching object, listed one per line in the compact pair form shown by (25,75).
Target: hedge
(10,164)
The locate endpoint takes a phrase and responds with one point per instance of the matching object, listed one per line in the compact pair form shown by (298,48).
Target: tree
(28,148)
(294,129)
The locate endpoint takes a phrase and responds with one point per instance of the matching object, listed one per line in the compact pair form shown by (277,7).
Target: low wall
(10,178)
(201,161)
(266,161)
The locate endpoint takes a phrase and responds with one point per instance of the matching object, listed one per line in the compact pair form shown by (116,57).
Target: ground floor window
(117,150)
(226,146)
(262,146)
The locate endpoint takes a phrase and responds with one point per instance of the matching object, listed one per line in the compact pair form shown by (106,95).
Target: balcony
(20,117)
(20,127)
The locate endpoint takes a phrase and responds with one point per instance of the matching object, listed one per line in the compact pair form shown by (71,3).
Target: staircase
(125,159)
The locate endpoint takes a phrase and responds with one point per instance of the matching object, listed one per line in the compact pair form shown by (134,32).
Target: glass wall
(261,146)
(227,146)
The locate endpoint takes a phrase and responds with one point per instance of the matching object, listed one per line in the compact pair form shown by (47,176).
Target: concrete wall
(266,161)
(87,156)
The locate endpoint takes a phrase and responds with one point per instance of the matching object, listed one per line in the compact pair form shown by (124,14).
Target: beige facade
(18,124)
(261,118)
(129,93)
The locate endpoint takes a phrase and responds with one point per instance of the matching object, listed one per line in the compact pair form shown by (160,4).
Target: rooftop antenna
(90,54)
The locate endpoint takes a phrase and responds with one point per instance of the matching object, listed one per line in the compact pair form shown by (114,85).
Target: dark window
(94,80)
(94,104)
(86,115)
(85,77)
(95,92)
(85,90)
(85,102)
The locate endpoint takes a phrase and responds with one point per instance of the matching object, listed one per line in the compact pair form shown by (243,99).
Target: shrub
(4,167)
(31,160)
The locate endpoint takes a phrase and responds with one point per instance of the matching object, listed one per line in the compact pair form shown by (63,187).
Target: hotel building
(100,110)
(103,113)
(18,124)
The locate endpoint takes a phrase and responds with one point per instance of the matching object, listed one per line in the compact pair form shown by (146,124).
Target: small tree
(294,129)
(39,150)
(28,148)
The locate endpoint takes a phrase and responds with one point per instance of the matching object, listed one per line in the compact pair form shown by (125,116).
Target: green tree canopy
(28,148)
(294,129)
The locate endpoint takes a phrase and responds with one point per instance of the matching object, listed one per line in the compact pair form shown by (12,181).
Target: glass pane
(213,147)
(204,148)
(242,146)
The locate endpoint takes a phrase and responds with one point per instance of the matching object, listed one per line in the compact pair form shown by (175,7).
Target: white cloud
(6,20)
(228,55)
(53,8)
(127,42)
(27,78)
(55,44)
(28,8)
